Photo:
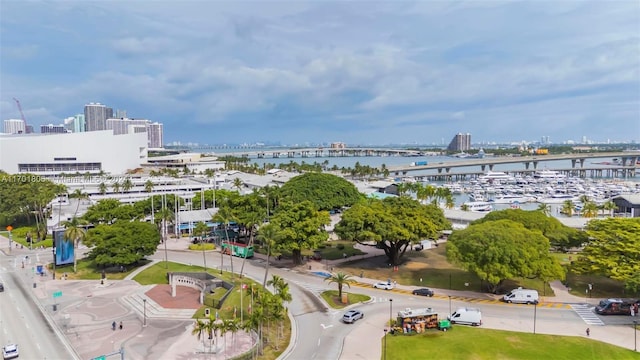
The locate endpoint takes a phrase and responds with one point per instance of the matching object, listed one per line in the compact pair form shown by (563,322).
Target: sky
(308,72)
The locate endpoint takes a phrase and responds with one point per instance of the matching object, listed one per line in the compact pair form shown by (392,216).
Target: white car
(10,351)
(383,286)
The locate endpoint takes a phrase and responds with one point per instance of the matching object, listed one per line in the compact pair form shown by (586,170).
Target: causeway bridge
(626,167)
(327,152)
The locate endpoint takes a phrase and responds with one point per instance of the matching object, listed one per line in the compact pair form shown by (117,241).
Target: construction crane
(21,113)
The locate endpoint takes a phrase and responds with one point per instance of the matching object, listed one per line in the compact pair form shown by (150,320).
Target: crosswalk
(586,313)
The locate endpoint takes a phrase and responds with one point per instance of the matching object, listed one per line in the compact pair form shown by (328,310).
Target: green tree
(613,250)
(567,208)
(269,236)
(325,191)
(75,230)
(225,216)
(545,209)
(340,279)
(499,250)
(201,230)
(609,206)
(127,185)
(238,184)
(589,209)
(116,186)
(393,224)
(148,186)
(122,243)
(79,195)
(102,188)
(301,227)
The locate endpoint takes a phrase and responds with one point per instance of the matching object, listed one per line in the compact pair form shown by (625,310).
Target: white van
(521,296)
(467,316)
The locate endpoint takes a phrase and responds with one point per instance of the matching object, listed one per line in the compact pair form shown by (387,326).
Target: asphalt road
(321,332)
(21,321)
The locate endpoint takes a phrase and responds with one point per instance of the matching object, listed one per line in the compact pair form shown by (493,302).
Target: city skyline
(312,72)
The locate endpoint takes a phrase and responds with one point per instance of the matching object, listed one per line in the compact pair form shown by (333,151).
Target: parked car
(521,296)
(383,285)
(1,287)
(423,292)
(616,306)
(352,316)
(10,351)
(467,316)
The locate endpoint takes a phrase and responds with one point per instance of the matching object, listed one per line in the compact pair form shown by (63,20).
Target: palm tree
(233,326)
(79,195)
(340,279)
(545,209)
(201,230)
(102,188)
(165,215)
(225,216)
(116,187)
(148,186)
(237,183)
(76,232)
(199,329)
(268,235)
(567,208)
(465,207)
(609,206)
(590,209)
(127,185)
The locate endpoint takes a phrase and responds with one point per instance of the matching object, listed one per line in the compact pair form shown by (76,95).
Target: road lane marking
(586,314)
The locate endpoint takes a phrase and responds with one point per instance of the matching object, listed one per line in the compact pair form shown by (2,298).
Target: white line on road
(586,314)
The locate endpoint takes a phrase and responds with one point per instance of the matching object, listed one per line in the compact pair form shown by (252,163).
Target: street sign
(9,228)
(57,294)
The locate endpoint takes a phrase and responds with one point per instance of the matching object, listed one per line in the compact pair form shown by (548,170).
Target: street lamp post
(535,313)
(384,352)
(449,304)
(53,251)
(390,312)
(144,304)
(635,334)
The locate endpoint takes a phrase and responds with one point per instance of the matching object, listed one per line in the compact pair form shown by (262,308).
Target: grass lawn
(332,252)
(435,271)
(463,342)
(88,271)
(331,297)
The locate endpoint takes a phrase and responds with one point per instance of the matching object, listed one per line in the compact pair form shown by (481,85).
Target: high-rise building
(53,129)
(15,126)
(121,125)
(96,115)
(460,142)
(132,126)
(156,134)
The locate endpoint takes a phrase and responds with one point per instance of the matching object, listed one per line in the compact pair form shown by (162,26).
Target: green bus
(237,249)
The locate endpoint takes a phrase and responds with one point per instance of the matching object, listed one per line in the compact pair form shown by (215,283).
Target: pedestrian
(120,325)
(588,331)
(113,326)
(633,311)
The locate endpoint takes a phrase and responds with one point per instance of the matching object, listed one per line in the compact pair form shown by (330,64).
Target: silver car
(352,316)
(10,351)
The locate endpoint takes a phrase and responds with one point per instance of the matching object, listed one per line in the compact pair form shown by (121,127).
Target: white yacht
(481,206)
(558,198)
(511,198)
(548,175)
(497,176)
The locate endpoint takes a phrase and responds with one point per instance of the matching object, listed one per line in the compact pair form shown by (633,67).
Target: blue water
(321,273)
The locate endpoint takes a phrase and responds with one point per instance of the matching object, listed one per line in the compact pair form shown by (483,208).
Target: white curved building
(86,152)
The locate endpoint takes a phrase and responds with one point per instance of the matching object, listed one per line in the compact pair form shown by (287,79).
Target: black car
(423,292)
(1,287)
